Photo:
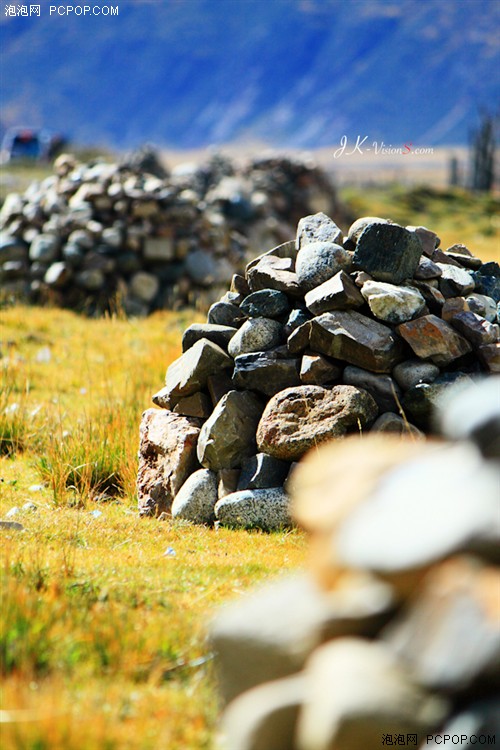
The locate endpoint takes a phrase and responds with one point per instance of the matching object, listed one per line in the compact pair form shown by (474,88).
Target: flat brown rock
(356,339)
(167,456)
(297,419)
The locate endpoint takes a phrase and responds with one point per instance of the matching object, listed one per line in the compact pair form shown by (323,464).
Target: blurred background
(393,77)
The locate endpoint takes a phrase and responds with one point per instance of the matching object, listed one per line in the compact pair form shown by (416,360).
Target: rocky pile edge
(323,336)
(92,236)
(391,637)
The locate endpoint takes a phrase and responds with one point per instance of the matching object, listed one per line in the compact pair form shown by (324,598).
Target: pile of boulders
(100,236)
(323,336)
(392,635)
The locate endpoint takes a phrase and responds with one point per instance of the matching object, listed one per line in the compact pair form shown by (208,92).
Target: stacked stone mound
(92,233)
(392,636)
(323,336)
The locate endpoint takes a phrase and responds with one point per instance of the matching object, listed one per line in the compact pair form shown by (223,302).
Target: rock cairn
(94,233)
(323,336)
(392,636)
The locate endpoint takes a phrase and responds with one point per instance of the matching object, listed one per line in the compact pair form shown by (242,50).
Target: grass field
(103,626)
(103,614)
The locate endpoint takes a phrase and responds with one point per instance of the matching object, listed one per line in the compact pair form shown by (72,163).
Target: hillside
(290,73)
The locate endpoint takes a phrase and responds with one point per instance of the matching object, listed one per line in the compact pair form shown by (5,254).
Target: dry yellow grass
(103,635)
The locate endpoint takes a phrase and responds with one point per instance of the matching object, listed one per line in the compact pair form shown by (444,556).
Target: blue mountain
(291,73)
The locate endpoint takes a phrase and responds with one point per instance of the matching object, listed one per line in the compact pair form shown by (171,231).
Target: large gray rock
(388,252)
(196,499)
(391,303)
(264,717)
(318,261)
(190,372)
(356,693)
(317,228)
(450,636)
(337,293)
(265,372)
(268,635)
(167,456)
(297,419)
(267,509)
(434,339)
(356,339)
(390,531)
(256,335)
(228,435)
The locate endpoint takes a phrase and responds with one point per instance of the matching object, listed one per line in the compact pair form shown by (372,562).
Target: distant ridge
(290,73)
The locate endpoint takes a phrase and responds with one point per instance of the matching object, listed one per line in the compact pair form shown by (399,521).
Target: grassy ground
(104,615)
(456,215)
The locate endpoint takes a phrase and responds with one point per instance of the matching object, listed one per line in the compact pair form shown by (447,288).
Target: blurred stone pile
(323,336)
(392,636)
(97,233)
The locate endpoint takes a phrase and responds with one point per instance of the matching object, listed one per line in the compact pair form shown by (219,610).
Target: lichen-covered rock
(297,419)
(391,303)
(195,501)
(266,509)
(256,335)
(388,252)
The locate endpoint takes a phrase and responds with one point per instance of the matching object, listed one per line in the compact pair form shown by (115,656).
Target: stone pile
(323,336)
(95,233)
(392,636)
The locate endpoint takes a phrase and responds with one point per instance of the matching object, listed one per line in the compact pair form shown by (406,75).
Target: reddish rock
(434,339)
(167,456)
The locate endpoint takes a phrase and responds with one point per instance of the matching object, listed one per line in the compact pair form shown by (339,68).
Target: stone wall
(392,635)
(97,235)
(322,337)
